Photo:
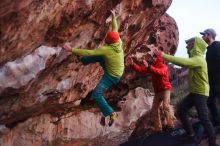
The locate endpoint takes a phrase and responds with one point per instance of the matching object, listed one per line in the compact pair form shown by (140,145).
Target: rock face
(39,82)
(79,124)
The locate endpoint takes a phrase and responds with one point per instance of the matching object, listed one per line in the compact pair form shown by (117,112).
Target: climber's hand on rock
(112,12)
(67,47)
(158,53)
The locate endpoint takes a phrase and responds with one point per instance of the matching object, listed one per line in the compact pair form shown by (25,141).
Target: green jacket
(113,54)
(198,76)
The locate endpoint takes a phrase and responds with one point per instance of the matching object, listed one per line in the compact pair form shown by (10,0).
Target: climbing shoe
(113,117)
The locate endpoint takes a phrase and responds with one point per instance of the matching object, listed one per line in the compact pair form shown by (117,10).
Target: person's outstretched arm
(114,22)
(140,69)
(84,52)
(185,62)
(137,68)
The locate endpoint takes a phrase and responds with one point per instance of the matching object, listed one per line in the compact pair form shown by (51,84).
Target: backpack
(174,137)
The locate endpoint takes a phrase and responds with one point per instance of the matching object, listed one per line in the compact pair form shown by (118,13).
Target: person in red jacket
(159,73)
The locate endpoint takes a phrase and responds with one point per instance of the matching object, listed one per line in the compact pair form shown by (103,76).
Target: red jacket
(159,73)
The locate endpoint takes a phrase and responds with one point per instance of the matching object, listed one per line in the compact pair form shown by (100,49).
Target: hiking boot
(113,117)
(155,130)
(168,128)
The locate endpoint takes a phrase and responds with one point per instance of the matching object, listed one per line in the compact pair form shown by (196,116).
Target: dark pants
(199,101)
(214,96)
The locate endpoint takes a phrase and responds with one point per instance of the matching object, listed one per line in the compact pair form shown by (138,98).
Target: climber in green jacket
(198,86)
(111,58)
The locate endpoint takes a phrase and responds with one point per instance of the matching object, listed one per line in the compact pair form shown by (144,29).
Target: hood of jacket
(117,46)
(198,48)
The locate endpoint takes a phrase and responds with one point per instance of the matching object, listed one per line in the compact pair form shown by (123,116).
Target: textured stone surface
(49,130)
(37,78)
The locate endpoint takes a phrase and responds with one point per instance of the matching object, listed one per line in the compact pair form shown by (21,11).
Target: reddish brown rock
(72,126)
(37,78)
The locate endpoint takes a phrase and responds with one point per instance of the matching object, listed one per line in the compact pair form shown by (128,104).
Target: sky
(192,17)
